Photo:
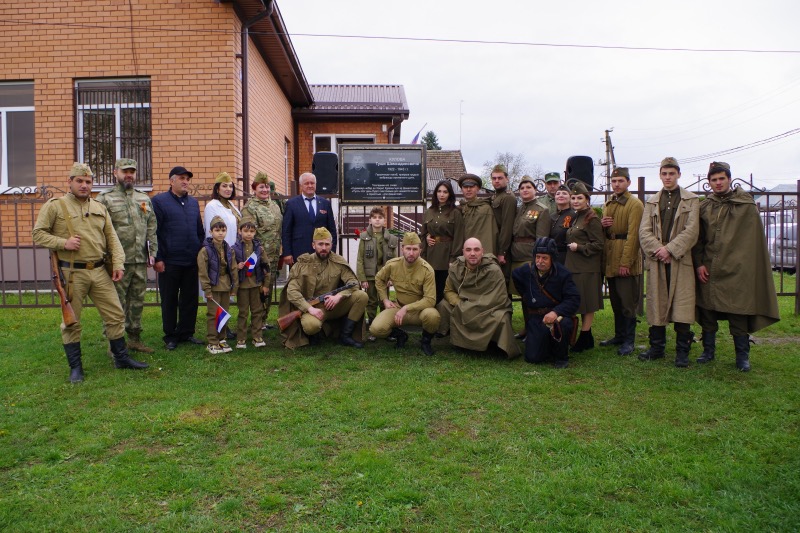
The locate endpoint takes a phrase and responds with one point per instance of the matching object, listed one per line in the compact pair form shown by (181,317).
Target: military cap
(670,162)
(718,166)
(217,220)
(261,177)
(247,221)
(223,177)
(411,238)
(124,163)
(552,176)
(320,234)
(563,187)
(470,180)
(272,186)
(80,169)
(545,245)
(500,168)
(621,172)
(177,171)
(526,179)
(580,188)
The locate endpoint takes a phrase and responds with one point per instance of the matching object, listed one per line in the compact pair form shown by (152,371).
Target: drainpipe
(245,100)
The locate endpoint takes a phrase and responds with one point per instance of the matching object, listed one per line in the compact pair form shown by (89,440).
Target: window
(18,152)
(330,143)
(113,121)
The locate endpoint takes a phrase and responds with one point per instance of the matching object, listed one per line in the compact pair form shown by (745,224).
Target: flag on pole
(415,140)
(222,316)
(250,263)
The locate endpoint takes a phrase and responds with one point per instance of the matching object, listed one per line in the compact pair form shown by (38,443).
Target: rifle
(67,313)
(287,320)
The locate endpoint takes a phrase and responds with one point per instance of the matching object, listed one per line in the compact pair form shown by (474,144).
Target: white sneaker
(259,343)
(225,347)
(214,349)
(241,345)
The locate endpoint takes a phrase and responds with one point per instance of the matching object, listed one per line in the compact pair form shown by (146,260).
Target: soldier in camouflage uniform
(267,216)
(276,197)
(135,223)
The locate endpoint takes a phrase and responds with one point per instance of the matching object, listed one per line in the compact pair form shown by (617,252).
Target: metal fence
(25,278)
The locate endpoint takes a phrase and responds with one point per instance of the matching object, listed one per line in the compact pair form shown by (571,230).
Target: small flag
(415,140)
(222,316)
(250,263)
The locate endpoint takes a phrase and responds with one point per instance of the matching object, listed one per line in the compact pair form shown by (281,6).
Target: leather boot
(346,336)
(709,347)
(427,349)
(401,337)
(683,342)
(315,339)
(629,328)
(135,344)
(741,343)
(619,331)
(585,341)
(73,351)
(658,342)
(121,357)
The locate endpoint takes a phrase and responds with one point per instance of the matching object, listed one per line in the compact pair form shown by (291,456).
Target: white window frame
(4,133)
(335,136)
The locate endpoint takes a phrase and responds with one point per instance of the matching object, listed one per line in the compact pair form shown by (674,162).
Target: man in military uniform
(479,221)
(135,223)
(357,175)
(552,181)
(315,274)
(669,229)
(622,215)
(80,231)
(504,206)
(732,235)
(476,308)
(415,287)
(273,194)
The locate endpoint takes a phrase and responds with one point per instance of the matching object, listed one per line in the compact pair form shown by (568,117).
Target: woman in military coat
(442,233)
(585,242)
(560,222)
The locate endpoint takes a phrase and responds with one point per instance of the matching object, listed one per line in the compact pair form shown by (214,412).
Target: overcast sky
(553,102)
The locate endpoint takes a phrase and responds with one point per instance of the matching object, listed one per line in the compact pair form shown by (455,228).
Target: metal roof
(361,100)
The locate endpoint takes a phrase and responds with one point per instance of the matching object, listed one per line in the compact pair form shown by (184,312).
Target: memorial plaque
(382,174)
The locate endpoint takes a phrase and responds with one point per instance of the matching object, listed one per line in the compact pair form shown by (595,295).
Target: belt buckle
(90,265)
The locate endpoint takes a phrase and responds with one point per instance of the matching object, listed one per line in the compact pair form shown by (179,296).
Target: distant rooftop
(445,164)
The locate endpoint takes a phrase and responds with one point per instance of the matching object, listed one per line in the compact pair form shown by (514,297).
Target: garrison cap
(247,221)
(125,163)
(670,162)
(217,220)
(563,187)
(411,238)
(261,177)
(80,169)
(470,180)
(223,177)
(552,176)
(500,168)
(526,179)
(621,172)
(718,166)
(320,234)
(580,188)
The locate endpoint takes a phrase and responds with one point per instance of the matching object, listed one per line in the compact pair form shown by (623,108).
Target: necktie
(311,209)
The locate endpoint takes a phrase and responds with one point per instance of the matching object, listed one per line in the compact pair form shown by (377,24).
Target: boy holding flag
(254,283)
(217,270)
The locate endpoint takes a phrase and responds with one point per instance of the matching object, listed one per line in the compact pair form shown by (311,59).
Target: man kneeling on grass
(316,274)
(476,308)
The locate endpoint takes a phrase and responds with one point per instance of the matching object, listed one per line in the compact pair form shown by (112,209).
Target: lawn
(334,438)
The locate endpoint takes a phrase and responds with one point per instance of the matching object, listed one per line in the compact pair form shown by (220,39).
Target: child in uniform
(254,285)
(217,271)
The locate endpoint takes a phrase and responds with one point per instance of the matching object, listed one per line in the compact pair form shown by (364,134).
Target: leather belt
(618,236)
(443,238)
(90,265)
(524,239)
(540,310)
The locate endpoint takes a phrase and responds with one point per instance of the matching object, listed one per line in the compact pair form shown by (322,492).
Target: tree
(430,141)
(516,165)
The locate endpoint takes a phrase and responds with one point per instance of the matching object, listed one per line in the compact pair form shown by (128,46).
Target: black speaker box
(580,167)
(326,168)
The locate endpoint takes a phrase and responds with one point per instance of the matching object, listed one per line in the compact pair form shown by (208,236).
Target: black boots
(73,351)
(121,357)
(585,341)
(619,331)
(346,336)
(658,342)
(401,337)
(741,344)
(709,347)
(427,349)
(683,342)
(629,327)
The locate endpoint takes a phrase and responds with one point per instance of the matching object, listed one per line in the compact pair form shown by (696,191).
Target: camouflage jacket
(266,214)
(134,221)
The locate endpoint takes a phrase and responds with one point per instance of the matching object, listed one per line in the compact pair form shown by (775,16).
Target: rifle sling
(71,231)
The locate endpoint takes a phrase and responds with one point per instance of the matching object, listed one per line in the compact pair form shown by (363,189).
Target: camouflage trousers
(131,289)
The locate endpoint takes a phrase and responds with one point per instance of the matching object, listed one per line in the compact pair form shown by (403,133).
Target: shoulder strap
(71,231)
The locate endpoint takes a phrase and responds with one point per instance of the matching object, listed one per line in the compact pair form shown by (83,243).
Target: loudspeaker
(326,168)
(580,167)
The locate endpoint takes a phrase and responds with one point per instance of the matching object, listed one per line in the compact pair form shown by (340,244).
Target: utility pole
(610,162)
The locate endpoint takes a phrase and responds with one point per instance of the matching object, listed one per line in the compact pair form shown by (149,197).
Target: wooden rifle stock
(287,320)
(67,313)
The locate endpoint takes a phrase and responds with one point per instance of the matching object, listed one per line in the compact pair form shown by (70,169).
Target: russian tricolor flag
(250,263)
(222,316)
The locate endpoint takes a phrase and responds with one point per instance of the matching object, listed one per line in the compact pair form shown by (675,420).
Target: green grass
(379,439)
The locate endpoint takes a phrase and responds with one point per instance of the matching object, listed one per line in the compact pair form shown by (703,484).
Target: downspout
(245,92)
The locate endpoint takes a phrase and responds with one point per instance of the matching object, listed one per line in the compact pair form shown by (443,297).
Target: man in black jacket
(180,236)
(551,298)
